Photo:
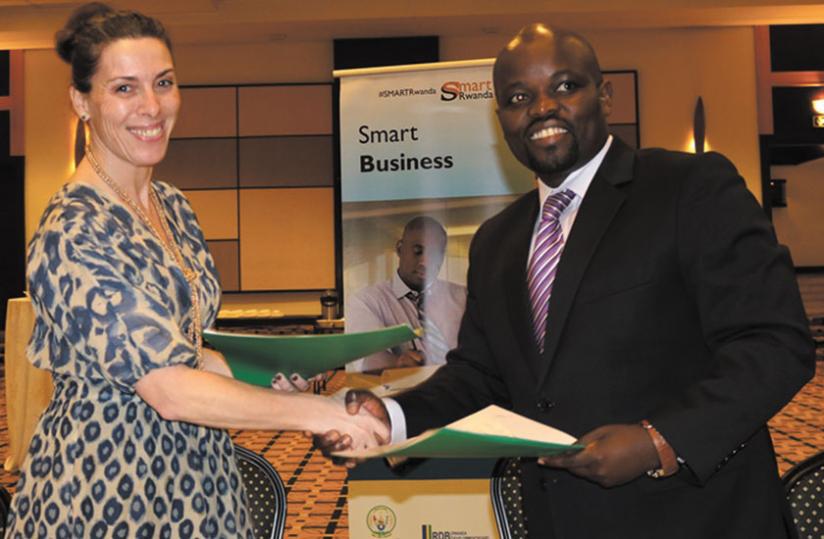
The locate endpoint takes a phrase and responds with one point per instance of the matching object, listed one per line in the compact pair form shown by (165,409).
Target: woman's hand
(359,430)
(297,382)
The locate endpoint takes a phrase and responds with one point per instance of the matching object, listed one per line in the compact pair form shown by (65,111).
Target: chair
(506,499)
(265,492)
(5,504)
(804,486)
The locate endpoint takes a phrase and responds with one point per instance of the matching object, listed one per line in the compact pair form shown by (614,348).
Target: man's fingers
(569,460)
(358,398)
(593,435)
(345,442)
(382,440)
(411,359)
(353,401)
(327,439)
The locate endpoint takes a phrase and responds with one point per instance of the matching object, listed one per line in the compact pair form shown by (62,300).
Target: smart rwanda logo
(466,90)
(381,521)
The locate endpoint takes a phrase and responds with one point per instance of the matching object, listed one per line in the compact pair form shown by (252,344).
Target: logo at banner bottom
(427,533)
(381,521)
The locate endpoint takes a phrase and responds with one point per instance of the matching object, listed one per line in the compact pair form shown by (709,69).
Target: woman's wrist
(316,414)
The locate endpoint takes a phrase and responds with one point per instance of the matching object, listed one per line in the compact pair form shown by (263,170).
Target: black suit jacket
(672,302)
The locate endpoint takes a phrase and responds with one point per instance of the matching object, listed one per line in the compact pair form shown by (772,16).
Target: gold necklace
(191,276)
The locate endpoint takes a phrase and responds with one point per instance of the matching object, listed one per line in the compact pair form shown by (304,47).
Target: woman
(122,284)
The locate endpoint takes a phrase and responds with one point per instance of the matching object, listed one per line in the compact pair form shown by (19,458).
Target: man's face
(551,108)
(420,255)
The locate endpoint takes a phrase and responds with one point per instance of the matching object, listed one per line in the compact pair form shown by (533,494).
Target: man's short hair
(422,222)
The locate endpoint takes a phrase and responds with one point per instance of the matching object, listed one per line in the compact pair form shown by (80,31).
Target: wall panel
(283,161)
(200,163)
(216,210)
(207,112)
(287,239)
(285,110)
(262,192)
(227,261)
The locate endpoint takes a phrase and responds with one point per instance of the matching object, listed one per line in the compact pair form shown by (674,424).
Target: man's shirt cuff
(396,419)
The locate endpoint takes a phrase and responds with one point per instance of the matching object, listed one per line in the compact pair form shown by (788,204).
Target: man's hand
(357,401)
(614,454)
(411,358)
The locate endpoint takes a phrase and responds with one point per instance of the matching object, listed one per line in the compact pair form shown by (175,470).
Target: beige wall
(799,225)
(674,67)
(49,131)
(309,61)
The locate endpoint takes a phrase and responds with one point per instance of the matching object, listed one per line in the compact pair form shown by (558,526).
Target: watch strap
(666,454)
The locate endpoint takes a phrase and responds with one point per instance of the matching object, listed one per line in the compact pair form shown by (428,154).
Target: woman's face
(133,102)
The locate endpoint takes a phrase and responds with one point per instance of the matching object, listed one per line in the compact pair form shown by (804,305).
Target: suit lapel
(600,204)
(517,293)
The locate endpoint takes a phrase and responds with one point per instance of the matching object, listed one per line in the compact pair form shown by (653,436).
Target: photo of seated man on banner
(413,295)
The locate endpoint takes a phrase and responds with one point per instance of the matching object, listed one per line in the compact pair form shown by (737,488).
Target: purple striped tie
(549,242)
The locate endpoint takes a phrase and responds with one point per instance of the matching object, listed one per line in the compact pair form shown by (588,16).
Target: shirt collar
(399,287)
(578,180)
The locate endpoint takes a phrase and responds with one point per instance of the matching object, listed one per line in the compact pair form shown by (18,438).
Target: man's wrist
(668,461)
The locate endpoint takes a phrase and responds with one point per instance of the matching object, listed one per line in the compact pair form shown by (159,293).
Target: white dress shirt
(386,304)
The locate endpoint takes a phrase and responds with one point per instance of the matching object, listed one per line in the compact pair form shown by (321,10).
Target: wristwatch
(666,454)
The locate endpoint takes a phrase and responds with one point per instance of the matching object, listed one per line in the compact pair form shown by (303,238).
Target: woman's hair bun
(66,37)
(91,28)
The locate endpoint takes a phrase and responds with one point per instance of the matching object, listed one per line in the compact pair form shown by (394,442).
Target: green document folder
(257,358)
(448,443)
(490,433)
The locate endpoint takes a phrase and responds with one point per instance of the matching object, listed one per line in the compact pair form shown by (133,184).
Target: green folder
(448,443)
(489,433)
(257,358)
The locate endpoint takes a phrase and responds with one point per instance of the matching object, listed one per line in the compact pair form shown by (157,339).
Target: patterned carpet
(317,490)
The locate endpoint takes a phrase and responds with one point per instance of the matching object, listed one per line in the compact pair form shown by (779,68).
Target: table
(28,390)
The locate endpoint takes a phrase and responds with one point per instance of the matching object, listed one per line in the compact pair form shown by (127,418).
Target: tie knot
(556,204)
(415,297)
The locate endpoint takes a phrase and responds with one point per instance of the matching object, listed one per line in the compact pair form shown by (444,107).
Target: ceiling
(32,23)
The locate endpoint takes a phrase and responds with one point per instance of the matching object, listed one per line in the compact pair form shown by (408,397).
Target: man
(414,296)
(670,304)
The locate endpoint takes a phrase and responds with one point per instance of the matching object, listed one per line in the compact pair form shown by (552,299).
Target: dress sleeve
(109,309)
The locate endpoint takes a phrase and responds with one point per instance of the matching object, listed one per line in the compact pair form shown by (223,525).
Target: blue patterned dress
(110,306)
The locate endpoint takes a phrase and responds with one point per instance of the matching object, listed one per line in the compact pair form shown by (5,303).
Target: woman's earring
(84,118)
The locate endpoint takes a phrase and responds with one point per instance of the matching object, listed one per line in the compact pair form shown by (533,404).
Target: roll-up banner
(418,141)
(426,131)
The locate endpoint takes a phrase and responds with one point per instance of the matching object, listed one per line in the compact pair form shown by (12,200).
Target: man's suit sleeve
(470,380)
(753,323)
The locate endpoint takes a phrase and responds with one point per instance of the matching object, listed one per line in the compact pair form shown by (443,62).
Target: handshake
(609,455)
(364,424)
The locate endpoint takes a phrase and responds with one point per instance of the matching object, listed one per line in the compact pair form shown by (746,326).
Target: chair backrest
(5,504)
(265,492)
(505,491)
(804,486)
